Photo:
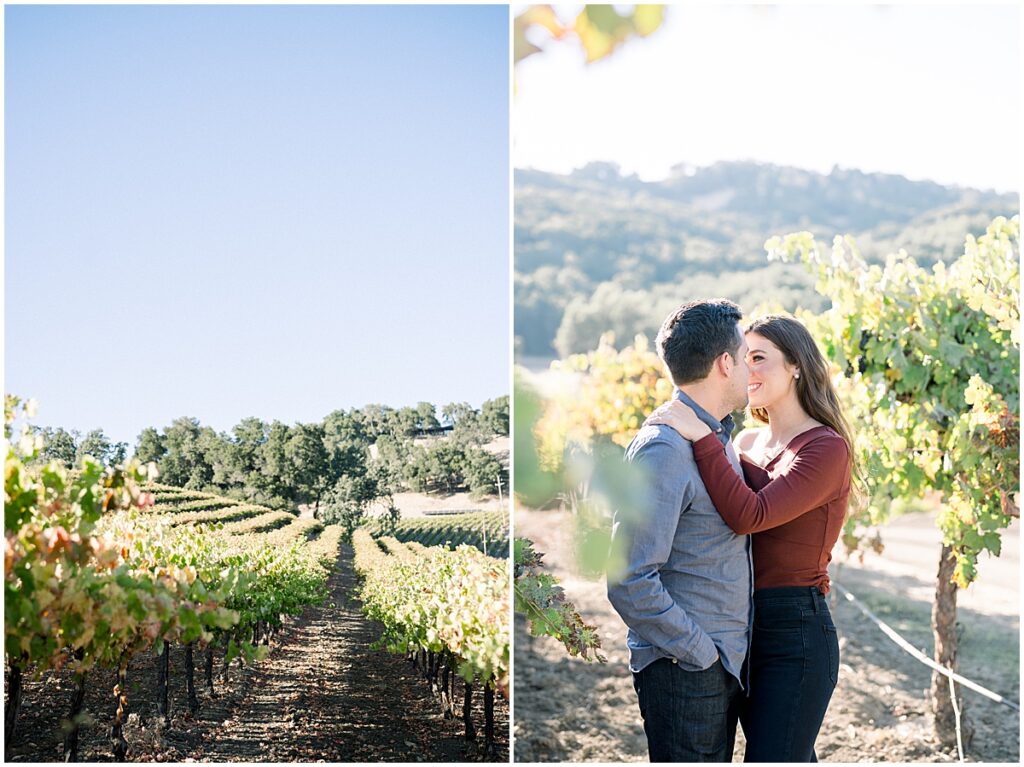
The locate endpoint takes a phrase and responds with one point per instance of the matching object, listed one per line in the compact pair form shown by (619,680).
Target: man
(686,591)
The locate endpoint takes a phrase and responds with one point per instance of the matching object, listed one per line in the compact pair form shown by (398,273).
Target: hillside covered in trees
(328,465)
(596,250)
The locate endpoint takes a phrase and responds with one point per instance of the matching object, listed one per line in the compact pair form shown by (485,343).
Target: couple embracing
(724,588)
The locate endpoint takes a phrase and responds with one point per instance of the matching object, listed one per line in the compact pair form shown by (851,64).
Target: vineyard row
(94,578)
(446,609)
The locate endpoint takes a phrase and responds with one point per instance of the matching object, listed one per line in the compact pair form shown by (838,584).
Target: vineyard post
(489,719)
(209,667)
(227,663)
(163,666)
(467,712)
(190,678)
(75,717)
(435,668)
(14,692)
(446,702)
(451,690)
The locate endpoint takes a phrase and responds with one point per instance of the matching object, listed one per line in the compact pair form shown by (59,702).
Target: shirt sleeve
(647,535)
(817,475)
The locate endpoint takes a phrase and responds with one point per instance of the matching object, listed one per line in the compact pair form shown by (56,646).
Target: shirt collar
(721,428)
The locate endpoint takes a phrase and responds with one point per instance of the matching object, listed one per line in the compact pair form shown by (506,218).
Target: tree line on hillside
(339,465)
(596,250)
(68,448)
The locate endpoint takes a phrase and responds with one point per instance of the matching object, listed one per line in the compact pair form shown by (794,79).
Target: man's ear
(725,364)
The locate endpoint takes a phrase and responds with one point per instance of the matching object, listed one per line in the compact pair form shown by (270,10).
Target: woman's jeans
(689,716)
(794,664)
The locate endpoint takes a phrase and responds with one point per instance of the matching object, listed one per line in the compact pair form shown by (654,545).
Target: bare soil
(570,710)
(323,694)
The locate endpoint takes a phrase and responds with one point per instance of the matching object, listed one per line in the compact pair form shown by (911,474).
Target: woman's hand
(680,417)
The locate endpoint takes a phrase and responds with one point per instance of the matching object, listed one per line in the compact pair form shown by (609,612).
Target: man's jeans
(689,716)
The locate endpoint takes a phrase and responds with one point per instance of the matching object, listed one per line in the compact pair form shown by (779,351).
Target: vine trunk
(944,627)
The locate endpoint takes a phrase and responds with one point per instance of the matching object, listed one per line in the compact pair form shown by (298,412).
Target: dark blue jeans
(794,664)
(689,716)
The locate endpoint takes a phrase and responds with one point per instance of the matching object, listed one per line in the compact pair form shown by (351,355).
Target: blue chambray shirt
(686,590)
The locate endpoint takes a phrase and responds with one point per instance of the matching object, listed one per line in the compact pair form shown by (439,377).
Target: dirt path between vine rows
(321,695)
(570,710)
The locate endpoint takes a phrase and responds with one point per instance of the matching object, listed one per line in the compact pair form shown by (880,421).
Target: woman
(799,469)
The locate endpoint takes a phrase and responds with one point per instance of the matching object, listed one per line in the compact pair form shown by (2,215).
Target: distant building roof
(433,430)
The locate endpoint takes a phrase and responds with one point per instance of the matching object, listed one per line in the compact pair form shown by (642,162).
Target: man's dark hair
(695,335)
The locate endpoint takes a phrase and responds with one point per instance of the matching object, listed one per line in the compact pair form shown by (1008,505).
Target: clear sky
(264,211)
(929,92)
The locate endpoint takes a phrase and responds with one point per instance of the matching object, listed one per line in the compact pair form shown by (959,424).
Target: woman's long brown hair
(814,387)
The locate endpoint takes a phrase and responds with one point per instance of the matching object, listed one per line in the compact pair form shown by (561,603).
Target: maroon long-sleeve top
(794,506)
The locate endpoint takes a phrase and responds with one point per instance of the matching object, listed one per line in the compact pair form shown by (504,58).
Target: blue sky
(925,91)
(261,211)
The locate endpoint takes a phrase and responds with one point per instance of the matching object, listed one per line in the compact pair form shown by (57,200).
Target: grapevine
(96,573)
(930,364)
(477,529)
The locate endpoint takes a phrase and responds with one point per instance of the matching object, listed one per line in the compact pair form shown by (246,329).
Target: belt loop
(815,594)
